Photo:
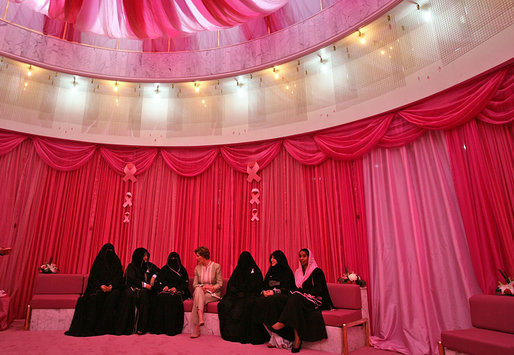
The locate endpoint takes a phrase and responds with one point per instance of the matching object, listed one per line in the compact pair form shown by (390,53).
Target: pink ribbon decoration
(252,168)
(255,196)
(128,200)
(126,217)
(129,170)
(254,215)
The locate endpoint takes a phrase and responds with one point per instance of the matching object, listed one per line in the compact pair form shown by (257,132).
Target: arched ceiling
(297,28)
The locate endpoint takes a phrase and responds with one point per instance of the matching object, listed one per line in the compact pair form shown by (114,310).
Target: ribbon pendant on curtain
(255,217)
(126,218)
(252,168)
(255,196)
(130,171)
(128,200)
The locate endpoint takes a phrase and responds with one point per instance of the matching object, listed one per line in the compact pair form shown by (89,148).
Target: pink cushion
(492,312)
(345,295)
(54,301)
(338,317)
(212,307)
(188,305)
(58,284)
(479,341)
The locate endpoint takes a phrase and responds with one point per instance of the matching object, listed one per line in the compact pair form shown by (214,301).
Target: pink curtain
(482,157)
(68,214)
(421,272)
(152,19)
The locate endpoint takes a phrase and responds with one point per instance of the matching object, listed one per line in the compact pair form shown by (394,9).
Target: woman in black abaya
(173,286)
(94,313)
(235,309)
(277,287)
(302,312)
(138,292)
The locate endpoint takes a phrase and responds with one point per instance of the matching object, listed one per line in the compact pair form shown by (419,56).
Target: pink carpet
(15,340)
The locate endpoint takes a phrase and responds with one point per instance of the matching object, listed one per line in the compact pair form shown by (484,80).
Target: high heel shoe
(297,350)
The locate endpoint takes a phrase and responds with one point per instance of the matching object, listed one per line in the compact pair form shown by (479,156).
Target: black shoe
(296,350)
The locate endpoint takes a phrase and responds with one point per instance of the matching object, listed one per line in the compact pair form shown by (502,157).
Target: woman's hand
(165,289)
(173,289)
(268,293)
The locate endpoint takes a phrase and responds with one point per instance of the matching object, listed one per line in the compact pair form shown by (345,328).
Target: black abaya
(135,295)
(303,308)
(279,279)
(173,287)
(235,309)
(94,312)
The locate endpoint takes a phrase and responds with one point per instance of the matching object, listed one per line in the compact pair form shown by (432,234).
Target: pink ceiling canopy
(146,19)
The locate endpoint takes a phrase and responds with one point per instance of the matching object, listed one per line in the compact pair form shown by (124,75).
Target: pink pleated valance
(488,98)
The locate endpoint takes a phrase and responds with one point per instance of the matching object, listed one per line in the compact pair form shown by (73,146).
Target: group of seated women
(282,310)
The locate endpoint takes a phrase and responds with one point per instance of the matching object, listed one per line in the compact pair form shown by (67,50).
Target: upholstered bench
(54,300)
(346,329)
(493,328)
(212,324)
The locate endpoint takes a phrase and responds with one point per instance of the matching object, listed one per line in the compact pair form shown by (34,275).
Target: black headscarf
(106,270)
(279,276)
(174,274)
(138,270)
(138,256)
(246,277)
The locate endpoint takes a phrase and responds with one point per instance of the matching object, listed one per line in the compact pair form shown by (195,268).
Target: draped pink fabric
(238,157)
(421,272)
(9,141)
(117,158)
(63,155)
(189,162)
(152,19)
(482,158)
(455,107)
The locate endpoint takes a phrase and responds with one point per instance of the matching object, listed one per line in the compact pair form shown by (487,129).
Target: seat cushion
(188,305)
(54,301)
(346,296)
(492,312)
(338,317)
(212,307)
(58,284)
(479,341)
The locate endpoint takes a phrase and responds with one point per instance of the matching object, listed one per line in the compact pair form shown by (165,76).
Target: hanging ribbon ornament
(126,217)
(128,200)
(130,171)
(255,196)
(254,215)
(252,168)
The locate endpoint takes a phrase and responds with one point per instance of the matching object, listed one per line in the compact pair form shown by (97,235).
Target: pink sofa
(493,328)
(56,291)
(61,291)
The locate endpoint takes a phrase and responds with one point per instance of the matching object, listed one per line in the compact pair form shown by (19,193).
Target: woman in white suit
(207,287)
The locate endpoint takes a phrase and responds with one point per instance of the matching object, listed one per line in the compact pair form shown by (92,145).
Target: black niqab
(106,270)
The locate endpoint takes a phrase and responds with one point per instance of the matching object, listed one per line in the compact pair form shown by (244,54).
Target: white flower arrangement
(351,278)
(507,288)
(49,268)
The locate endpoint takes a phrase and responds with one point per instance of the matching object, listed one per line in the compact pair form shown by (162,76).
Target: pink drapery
(70,214)
(421,271)
(482,158)
(152,19)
